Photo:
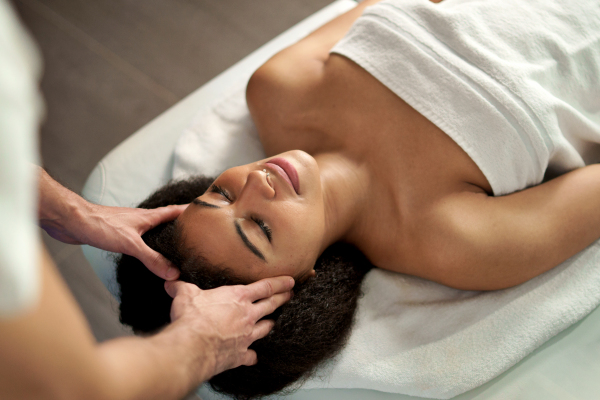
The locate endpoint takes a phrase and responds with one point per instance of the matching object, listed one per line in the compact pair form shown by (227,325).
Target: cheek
(301,221)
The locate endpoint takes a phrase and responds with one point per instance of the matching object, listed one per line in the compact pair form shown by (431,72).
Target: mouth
(287,171)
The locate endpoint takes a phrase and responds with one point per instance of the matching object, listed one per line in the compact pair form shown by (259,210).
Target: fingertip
(251,358)
(171,274)
(170,288)
(291,283)
(162,267)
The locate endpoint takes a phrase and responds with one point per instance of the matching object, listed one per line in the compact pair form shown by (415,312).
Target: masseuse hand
(120,230)
(226,319)
(71,219)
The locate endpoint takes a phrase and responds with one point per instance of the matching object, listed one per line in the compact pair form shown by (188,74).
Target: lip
(287,172)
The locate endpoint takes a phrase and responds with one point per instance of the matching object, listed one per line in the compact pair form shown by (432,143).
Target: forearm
(165,366)
(57,204)
(50,353)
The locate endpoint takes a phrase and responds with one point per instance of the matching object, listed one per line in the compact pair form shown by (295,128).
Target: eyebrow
(247,242)
(238,229)
(199,202)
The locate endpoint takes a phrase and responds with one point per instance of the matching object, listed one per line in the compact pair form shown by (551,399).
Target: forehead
(212,232)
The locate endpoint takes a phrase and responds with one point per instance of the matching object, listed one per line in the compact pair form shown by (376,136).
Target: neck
(345,186)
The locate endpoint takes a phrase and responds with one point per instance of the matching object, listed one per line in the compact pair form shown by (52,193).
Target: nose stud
(265,171)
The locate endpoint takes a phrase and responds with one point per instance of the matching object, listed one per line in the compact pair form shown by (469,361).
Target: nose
(257,187)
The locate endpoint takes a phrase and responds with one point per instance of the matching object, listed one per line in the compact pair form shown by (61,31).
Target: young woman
(421,139)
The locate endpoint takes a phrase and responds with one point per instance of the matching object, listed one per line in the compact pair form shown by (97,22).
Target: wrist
(197,354)
(58,207)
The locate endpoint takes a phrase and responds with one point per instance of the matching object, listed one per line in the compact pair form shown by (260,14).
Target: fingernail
(171,273)
(291,283)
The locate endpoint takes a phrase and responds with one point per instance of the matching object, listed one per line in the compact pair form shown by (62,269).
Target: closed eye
(267,231)
(218,189)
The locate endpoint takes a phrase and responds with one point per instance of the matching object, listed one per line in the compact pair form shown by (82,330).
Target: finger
(155,262)
(268,287)
(267,306)
(173,288)
(262,329)
(249,358)
(164,214)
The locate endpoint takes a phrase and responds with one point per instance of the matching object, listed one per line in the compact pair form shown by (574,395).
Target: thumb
(173,287)
(157,263)
(249,358)
(165,214)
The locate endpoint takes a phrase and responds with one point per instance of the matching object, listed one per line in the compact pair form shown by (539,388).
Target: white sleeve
(20,113)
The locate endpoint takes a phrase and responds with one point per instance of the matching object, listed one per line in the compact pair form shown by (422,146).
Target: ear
(310,274)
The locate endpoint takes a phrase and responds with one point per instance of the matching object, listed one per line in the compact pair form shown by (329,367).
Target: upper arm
(282,86)
(485,243)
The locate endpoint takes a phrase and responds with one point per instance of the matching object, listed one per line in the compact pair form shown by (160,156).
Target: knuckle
(248,330)
(273,304)
(239,291)
(269,288)
(191,290)
(155,259)
(186,290)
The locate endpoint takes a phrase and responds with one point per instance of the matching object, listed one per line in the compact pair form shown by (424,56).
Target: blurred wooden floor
(112,66)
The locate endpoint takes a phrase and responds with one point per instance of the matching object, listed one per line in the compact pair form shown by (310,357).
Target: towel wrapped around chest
(515,83)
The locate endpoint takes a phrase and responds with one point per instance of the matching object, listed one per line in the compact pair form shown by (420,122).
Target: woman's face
(261,225)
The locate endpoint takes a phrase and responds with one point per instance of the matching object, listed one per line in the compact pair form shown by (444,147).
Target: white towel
(219,138)
(515,83)
(413,336)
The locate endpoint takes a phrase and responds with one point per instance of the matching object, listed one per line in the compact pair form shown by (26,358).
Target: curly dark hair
(309,329)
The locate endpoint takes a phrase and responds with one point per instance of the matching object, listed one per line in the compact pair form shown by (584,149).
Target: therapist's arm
(71,219)
(50,353)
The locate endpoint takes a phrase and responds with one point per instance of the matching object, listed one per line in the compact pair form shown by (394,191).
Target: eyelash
(258,221)
(264,227)
(219,190)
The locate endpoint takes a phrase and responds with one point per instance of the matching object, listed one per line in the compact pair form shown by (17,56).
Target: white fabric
(413,336)
(20,112)
(515,83)
(202,149)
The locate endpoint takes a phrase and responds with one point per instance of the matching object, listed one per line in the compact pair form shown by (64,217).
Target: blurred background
(112,66)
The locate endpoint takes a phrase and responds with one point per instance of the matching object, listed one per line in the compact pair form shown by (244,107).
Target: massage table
(565,367)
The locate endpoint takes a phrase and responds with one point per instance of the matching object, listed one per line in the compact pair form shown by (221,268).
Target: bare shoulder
(282,87)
